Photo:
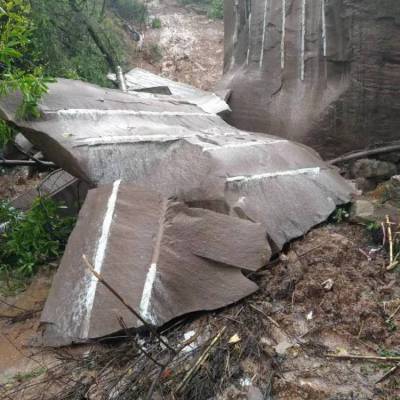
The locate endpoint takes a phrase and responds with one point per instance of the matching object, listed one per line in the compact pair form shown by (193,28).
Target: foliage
(133,10)
(215,8)
(155,53)
(156,23)
(32,238)
(63,43)
(6,133)
(17,71)
(340,214)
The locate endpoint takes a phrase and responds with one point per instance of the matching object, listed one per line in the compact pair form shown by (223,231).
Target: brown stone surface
(176,148)
(341,93)
(145,247)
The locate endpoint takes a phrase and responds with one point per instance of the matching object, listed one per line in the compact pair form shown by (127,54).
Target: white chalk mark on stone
(249,42)
(323,19)
(100,253)
(283,34)
(100,113)
(146,296)
(240,145)
(264,33)
(303,38)
(145,303)
(294,172)
(235,33)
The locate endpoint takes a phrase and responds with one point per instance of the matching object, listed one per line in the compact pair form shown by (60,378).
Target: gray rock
(364,184)
(370,168)
(254,393)
(361,211)
(394,188)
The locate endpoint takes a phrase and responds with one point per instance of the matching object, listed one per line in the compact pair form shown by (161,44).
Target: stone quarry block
(150,249)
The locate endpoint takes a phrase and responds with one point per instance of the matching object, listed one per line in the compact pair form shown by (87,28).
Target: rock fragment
(145,245)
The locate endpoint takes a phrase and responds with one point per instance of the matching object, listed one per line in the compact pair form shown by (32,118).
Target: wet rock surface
(324,73)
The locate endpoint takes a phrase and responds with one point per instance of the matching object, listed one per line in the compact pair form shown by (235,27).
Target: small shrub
(155,53)
(216,10)
(31,239)
(156,23)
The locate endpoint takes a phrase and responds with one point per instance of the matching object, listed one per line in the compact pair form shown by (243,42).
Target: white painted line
(99,256)
(283,34)
(264,33)
(240,145)
(235,33)
(303,38)
(97,112)
(146,295)
(294,172)
(323,28)
(128,139)
(249,42)
(149,283)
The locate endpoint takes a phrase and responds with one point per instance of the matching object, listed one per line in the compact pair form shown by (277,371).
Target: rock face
(322,72)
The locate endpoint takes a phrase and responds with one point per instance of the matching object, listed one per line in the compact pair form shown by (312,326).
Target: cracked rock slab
(176,148)
(164,258)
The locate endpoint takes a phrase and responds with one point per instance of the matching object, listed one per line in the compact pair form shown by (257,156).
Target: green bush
(216,9)
(156,23)
(33,238)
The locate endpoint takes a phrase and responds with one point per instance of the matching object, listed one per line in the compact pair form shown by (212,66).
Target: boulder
(375,169)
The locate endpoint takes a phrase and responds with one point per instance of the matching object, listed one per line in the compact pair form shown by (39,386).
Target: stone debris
(193,200)
(61,187)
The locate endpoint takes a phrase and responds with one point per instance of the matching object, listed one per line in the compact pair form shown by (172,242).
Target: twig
(365,153)
(266,316)
(141,349)
(200,361)
(27,163)
(359,357)
(391,316)
(393,265)
(390,237)
(131,309)
(390,372)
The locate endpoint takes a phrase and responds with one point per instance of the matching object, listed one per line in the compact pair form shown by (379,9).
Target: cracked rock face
(322,72)
(177,149)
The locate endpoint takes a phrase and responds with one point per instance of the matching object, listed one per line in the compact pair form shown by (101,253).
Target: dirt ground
(327,295)
(191,45)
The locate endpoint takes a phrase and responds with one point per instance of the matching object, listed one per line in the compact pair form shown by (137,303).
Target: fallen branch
(390,372)
(365,153)
(131,309)
(391,316)
(359,357)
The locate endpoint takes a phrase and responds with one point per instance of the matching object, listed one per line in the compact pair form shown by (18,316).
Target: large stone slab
(152,250)
(176,148)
